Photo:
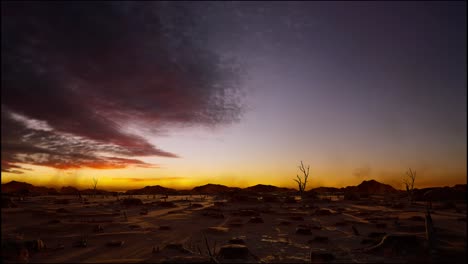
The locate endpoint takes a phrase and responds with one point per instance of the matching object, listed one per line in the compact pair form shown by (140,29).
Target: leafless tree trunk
(95,182)
(430,234)
(409,184)
(302,182)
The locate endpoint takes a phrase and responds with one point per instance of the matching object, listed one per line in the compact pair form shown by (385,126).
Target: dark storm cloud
(88,69)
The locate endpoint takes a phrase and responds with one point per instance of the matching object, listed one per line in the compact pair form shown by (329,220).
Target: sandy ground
(340,231)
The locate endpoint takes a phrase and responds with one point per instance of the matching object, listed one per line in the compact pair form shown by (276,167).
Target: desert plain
(260,224)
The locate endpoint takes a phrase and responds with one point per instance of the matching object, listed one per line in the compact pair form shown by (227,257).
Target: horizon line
(57,188)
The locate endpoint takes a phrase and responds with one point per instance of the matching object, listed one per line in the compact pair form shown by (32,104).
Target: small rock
(164,227)
(234,251)
(236,222)
(35,245)
(14,252)
(256,219)
(98,228)
(323,212)
(188,259)
(54,221)
(355,231)
(247,212)
(131,202)
(166,204)
(81,243)
(62,210)
(216,215)
(62,201)
(243,199)
(290,199)
(217,230)
(297,218)
(417,218)
(342,223)
(399,244)
(368,241)
(236,240)
(321,256)
(381,225)
(316,227)
(115,243)
(412,228)
(284,223)
(448,205)
(23,256)
(7,202)
(60,246)
(321,239)
(196,205)
(270,199)
(398,205)
(219,203)
(376,234)
(155,249)
(351,196)
(301,230)
(177,246)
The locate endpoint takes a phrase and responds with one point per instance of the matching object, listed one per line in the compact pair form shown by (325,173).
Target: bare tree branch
(302,182)
(409,184)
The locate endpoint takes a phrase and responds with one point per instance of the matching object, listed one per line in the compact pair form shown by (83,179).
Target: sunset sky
(233,93)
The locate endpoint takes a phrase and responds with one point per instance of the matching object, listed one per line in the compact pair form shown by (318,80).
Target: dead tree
(430,234)
(302,182)
(409,184)
(95,182)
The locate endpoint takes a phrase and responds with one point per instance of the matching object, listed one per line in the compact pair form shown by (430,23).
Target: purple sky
(358,90)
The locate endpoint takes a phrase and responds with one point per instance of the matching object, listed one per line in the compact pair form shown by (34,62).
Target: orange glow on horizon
(119,180)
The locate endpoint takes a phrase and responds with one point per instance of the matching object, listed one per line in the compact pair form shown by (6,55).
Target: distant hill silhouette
(326,190)
(261,188)
(213,189)
(365,187)
(69,190)
(460,187)
(98,192)
(456,192)
(374,187)
(23,188)
(149,190)
(15,186)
